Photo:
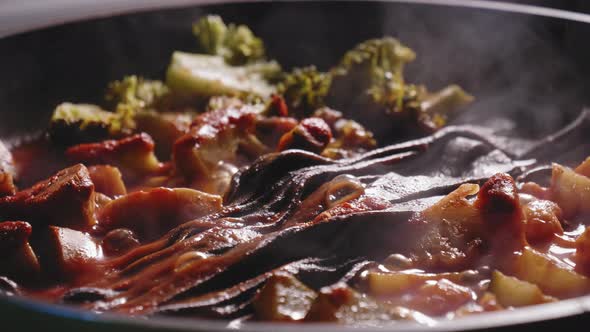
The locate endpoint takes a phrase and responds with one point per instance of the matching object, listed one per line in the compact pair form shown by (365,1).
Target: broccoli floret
(235,43)
(203,76)
(304,90)
(74,123)
(136,92)
(368,86)
(432,109)
(373,70)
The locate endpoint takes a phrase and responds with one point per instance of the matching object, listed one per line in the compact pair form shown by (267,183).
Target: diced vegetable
(305,90)
(107,180)
(542,220)
(350,139)
(437,106)
(381,283)
(340,303)
(151,213)
(570,190)
(583,249)
(283,298)
(135,93)
(75,123)
(370,78)
(553,278)
(455,207)
(235,43)
(203,76)
(512,292)
(65,199)
(584,168)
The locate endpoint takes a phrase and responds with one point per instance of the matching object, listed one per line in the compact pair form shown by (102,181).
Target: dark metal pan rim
(108,9)
(503,318)
(537,313)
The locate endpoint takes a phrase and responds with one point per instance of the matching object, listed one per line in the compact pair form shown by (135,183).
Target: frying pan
(527,66)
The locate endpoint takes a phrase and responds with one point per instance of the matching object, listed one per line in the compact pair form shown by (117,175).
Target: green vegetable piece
(369,81)
(375,68)
(136,92)
(305,90)
(202,76)
(73,123)
(237,44)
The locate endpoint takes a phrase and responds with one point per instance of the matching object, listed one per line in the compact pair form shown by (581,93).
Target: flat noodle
(264,244)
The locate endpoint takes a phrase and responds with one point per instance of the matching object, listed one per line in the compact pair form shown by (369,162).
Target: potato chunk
(340,303)
(283,298)
(583,249)
(570,190)
(65,199)
(552,278)
(512,292)
(542,220)
(584,168)
(151,213)
(456,207)
(380,283)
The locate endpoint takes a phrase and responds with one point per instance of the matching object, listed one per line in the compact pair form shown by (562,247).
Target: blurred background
(515,64)
(16,15)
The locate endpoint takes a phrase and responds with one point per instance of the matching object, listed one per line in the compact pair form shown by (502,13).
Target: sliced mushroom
(107,180)
(151,213)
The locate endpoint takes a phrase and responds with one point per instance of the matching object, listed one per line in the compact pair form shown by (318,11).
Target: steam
(523,82)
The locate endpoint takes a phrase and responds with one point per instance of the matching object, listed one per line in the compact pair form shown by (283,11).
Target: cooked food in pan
(238,190)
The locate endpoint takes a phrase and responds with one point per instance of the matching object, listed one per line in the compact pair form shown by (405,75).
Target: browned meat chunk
(311,134)
(68,252)
(18,259)
(107,180)
(65,199)
(214,136)
(152,213)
